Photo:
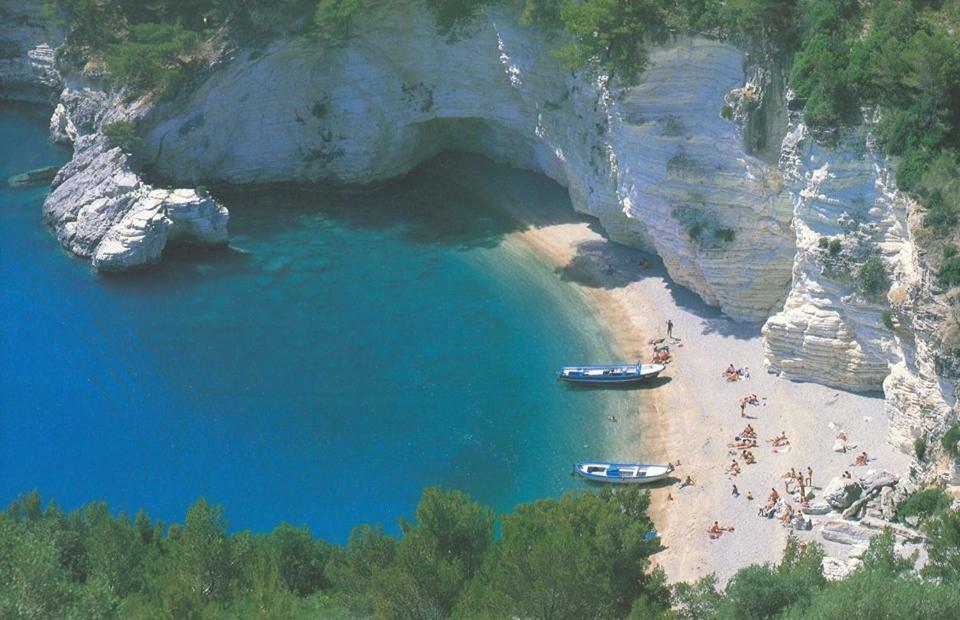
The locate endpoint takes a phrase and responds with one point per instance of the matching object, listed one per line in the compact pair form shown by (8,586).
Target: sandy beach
(695,415)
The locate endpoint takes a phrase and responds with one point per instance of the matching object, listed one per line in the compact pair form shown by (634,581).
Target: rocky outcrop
(157,217)
(845,210)
(27,64)
(99,207)
(840,492)
(657,165)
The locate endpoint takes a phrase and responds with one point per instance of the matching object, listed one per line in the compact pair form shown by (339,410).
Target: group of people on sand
(732,373)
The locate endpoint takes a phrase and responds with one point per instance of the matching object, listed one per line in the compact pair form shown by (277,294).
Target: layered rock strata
(657,165)
(99,207)
(846,210)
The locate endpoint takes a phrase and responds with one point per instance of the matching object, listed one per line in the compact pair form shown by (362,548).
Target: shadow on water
(459,216)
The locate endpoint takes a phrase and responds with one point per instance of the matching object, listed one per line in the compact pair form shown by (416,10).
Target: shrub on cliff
(925,503)
(943,548)
(333,21)
(949,272)
(154,58)
(951,441)
(872,277)
(122,134)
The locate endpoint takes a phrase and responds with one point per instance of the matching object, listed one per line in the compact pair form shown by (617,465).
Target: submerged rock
(31,178)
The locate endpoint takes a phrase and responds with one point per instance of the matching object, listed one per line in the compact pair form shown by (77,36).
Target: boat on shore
(622,473)
(610,375)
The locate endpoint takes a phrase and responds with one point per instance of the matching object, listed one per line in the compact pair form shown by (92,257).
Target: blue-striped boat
(622,473)
(610,375)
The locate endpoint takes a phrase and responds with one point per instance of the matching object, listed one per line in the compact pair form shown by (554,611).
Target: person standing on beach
(669,328)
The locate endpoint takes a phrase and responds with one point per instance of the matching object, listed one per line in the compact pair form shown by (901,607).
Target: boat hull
(652,473)
(609,375)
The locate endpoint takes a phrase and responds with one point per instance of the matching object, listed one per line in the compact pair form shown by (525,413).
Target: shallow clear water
(347,352)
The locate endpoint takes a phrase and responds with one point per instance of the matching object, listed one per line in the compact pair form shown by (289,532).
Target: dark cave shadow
(450,200)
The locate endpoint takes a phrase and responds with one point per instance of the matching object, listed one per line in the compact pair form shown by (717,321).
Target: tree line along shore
(584,555)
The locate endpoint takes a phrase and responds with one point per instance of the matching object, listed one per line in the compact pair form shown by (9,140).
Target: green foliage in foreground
(584,555)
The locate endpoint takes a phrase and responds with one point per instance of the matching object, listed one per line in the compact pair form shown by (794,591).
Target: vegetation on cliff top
(584,555)
(901,57)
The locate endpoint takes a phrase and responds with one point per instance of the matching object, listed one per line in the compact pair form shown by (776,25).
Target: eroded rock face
(27,64)
(657,164)
(100,208)
(155,218)
(845,210)
(841,492)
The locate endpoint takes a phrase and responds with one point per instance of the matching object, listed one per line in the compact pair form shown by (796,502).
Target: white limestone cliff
(652,164)
(846,209)
(99,207)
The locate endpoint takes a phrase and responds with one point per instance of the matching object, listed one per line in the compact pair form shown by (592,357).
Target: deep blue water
(349,351)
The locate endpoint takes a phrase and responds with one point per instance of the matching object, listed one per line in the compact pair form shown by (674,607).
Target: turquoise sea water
(347,352)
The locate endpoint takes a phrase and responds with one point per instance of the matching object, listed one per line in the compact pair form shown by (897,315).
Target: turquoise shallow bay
(349,351)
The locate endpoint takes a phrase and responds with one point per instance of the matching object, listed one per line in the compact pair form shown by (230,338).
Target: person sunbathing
(716,530)
(734,468)
(661,356)
(847,475)
(687,483)
(748,431)
(774,496)
(861,459)
(743,442)
(749,458)
(780,440)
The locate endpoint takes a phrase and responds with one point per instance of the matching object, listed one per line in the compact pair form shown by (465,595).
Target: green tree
(352,570)
(943,548)
(333,21)
(765,591)
(302,559)
(582,556)
(612,35)
(436,558)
